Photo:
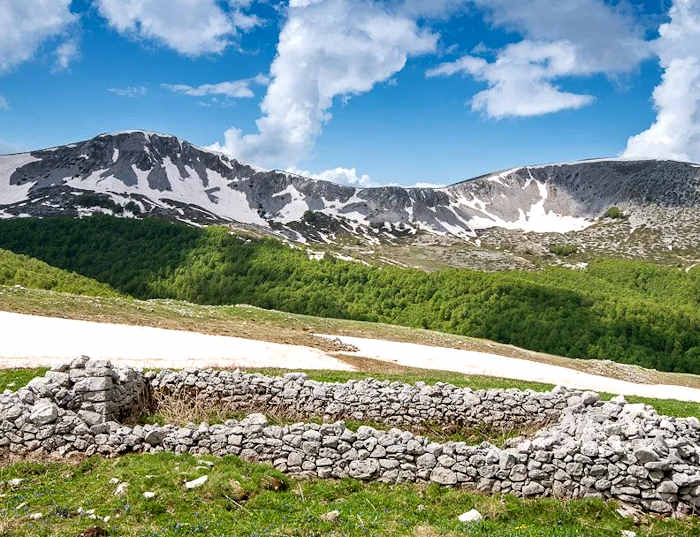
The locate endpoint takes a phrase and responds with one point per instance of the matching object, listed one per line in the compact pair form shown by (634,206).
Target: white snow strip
(33,341)
(492,365)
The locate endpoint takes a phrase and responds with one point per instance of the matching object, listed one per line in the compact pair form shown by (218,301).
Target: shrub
(98,200)
(563,250)
(614,212)
(133,208)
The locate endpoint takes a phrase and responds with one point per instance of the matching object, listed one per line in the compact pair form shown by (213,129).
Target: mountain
(138,173)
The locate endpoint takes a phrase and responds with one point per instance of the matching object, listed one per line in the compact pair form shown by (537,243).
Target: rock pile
(55,413)
(608,449)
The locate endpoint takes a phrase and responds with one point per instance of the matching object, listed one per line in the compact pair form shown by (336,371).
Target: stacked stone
(611,450)
(623,451)
(392,403)
(95,389)
(654,464)
(62,411)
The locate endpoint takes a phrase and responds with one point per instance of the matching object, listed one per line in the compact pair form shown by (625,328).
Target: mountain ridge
(144,173)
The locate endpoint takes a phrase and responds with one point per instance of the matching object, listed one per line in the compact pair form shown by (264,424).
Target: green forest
(626,311)
(18,269)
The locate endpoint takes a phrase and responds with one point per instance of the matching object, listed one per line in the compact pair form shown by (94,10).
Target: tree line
(626,311)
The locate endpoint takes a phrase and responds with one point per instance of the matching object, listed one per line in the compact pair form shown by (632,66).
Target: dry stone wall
(612,450)
(391,403)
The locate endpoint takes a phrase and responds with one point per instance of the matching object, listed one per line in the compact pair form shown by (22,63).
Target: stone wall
(391,403)
(93,389)
(612,450)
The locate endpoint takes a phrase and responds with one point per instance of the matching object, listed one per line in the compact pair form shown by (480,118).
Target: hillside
(17,269)
(624,311)
(507,219)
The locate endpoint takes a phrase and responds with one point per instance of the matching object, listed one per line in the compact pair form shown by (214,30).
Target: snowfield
(493,365)
(34,341)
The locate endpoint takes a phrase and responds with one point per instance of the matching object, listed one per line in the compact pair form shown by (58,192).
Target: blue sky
(360,91)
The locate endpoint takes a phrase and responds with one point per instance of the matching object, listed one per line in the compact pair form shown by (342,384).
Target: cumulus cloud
(343,176)
(326,49)
(520,79)
(560,39)
(4,105)
(240,89)
(66,53)
(675,134)
(191,27)
(130,91)
(26,24)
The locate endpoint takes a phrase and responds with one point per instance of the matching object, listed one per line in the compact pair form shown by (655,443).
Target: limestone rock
(470,516)
(196,483)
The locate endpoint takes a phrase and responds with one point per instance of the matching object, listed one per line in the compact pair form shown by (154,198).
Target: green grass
(13,379)
(614,212)
(235,502)
(668,407)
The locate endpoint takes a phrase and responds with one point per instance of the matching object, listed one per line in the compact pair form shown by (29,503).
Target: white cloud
(26,24)
(520,79)
(675,134)
(66,52)
(4,105)
(191,27)
(326,49)
(343,176)
(130,91)
(561,39)
(235,89)
(246,22)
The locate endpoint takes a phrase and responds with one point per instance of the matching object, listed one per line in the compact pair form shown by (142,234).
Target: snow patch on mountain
(13,193)
(295,208)
(168,177)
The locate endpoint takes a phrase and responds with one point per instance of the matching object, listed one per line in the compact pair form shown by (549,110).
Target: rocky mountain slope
(519,211)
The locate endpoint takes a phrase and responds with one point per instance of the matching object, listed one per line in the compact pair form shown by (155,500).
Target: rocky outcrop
(612,450)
